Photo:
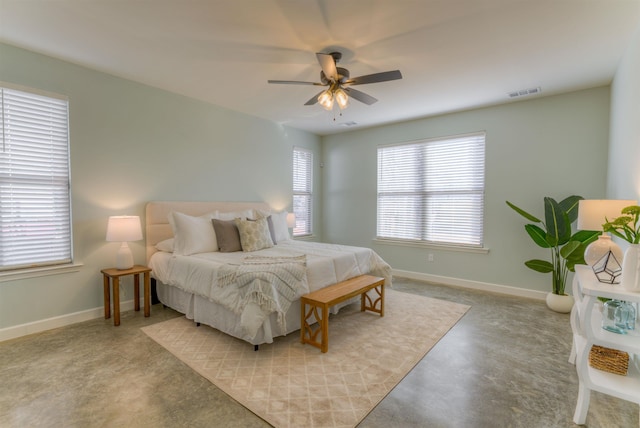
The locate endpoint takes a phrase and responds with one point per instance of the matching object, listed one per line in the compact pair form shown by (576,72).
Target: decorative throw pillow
(281,230)
(254,234)
(272,231)
(166,245)
(192,235)
(227,235)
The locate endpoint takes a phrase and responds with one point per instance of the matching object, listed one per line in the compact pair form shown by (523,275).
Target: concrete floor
(503,365)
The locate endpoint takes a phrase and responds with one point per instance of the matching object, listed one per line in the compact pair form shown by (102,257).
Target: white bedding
(326,264)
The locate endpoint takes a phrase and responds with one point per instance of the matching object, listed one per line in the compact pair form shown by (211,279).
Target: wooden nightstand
(115,274)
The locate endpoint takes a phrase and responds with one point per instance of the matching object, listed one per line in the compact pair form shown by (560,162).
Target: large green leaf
(557,222)
(538,235)
(542,266)
(523,213)
(569,249)
(585,236)
(570,206)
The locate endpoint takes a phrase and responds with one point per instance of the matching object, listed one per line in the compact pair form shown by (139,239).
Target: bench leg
(324,323)
(307,333)
(368,303)
(303,321)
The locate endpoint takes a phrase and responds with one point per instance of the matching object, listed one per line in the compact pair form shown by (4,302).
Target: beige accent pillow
(254,234)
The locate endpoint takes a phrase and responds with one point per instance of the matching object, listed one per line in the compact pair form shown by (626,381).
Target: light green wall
(624,155)
(130,144)
(551,146)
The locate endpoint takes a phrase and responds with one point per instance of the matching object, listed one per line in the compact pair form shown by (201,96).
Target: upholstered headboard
(157,216)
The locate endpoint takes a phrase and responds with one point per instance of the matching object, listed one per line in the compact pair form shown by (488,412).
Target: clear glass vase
(625,316)
(609,317)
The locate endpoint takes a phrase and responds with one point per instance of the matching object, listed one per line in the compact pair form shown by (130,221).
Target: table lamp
(124,228)
(592,214)
(291,220)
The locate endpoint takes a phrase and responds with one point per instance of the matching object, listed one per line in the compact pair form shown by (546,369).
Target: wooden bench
(327,297)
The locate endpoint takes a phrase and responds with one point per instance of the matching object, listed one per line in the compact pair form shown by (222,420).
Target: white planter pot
(560,303)
(631,268)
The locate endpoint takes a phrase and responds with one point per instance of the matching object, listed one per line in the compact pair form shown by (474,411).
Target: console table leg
(582,407)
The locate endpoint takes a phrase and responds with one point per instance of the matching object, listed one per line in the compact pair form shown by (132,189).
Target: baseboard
(89,314)
(474,285)
(59,321)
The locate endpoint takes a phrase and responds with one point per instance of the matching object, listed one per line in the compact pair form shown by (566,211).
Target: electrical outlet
(430,257)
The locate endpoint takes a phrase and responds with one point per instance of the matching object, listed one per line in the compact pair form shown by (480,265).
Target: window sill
(304,237)
(443,247)
(17,274)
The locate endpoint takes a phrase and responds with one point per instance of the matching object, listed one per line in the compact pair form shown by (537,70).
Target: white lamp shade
(593,213)
(124,228)
(291,220)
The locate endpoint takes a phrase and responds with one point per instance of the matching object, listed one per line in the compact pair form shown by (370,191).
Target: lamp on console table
(603,255)
(124,228)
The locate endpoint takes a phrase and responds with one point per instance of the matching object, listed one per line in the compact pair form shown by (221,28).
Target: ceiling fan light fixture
(325,99)
(341,98)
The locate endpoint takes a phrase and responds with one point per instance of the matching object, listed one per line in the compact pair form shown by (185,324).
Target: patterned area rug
(292,385)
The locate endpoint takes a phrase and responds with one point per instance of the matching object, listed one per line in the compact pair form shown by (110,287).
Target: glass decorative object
(609,317)
(625,316)
(618,316)
(608,269)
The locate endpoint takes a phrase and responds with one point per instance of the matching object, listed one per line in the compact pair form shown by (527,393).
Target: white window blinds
(432,191)
(35,207)
(302,190)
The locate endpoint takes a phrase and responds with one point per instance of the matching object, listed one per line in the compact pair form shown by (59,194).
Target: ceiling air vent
(525,92)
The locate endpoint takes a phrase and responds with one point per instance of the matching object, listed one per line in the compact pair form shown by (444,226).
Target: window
(432,191)
(302,190)
(35,206)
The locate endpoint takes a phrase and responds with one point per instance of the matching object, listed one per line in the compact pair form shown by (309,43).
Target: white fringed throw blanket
(264,285)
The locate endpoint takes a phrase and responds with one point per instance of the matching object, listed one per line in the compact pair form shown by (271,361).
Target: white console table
(586,322)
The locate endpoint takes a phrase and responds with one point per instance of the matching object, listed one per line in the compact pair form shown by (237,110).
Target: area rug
(292,385)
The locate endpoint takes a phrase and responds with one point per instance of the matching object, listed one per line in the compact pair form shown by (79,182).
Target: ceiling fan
(339,83)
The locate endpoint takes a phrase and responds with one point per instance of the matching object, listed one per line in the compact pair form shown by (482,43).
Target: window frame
(302,189)
(56,140)
(424,189)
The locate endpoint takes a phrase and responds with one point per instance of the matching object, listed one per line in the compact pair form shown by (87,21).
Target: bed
(200,271)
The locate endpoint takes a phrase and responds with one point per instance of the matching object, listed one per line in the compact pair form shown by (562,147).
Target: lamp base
(597,250)
(124,257)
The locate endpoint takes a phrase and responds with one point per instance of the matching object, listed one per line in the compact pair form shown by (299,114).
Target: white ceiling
(453,54)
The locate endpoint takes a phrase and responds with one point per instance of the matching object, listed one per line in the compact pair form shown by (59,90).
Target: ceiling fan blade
(360,96)
(375,78)
(294,82)
(313,100)
(328,65)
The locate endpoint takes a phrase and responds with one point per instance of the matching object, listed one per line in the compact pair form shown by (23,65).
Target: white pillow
(232,215)
(192,235)
(166,245)
(280,228)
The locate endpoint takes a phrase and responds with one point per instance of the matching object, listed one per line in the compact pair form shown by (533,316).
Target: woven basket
(609,360)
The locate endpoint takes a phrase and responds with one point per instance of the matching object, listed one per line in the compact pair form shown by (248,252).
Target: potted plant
(627,227)
(567,249)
